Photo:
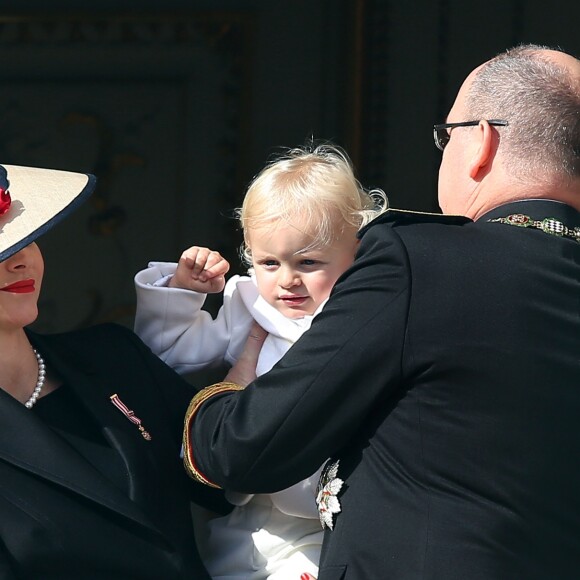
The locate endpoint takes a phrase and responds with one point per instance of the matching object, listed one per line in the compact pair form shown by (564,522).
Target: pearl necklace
(39,383)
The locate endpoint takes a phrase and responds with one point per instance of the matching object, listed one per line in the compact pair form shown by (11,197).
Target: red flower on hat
(5,201)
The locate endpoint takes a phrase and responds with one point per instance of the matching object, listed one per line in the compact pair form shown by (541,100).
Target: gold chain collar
(548,225)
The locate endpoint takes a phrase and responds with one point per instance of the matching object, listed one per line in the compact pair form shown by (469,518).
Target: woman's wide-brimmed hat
(33,200)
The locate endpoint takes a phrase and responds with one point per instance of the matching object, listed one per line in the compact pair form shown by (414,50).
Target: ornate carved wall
(176,111)
(154,106)
(414,56)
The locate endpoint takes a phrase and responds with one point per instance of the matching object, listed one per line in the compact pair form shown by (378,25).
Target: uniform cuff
(196,403)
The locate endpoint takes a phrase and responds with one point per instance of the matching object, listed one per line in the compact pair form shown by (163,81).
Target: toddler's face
(293,280)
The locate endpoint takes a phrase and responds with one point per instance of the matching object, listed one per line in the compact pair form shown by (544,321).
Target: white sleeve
(174,326)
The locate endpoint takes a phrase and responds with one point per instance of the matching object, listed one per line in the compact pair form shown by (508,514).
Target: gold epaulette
(192,410)
(405,217)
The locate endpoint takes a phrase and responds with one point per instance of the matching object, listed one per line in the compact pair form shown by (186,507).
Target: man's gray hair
(541,102)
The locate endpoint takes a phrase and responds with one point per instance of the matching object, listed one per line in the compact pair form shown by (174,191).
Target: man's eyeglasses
(441,134)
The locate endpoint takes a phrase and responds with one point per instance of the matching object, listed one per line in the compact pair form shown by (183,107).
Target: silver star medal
(328,488)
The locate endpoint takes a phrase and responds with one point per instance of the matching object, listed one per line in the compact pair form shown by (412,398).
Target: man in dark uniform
(443,376)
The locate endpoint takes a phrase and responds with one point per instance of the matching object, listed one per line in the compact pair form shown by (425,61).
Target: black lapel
(94,391)
(28,443)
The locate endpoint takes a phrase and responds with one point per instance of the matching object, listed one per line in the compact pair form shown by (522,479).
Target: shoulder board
(405,217)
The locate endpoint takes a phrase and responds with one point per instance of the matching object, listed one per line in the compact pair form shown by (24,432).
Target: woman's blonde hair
(313,188)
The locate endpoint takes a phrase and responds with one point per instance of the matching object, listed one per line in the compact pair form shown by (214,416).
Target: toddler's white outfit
(276,536)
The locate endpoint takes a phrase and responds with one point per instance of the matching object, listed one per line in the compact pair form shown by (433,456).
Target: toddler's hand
(201,270)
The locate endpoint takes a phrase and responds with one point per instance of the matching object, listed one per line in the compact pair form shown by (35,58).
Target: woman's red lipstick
(20,287)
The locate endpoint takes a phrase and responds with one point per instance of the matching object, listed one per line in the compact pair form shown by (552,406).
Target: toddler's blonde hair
(314,189)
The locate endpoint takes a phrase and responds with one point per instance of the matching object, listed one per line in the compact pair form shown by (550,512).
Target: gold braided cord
(193,408)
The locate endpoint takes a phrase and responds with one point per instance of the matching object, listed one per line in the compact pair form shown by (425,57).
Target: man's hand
(244,371)
(201,270)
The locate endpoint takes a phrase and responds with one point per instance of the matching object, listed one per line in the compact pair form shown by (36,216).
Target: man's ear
(484,149)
